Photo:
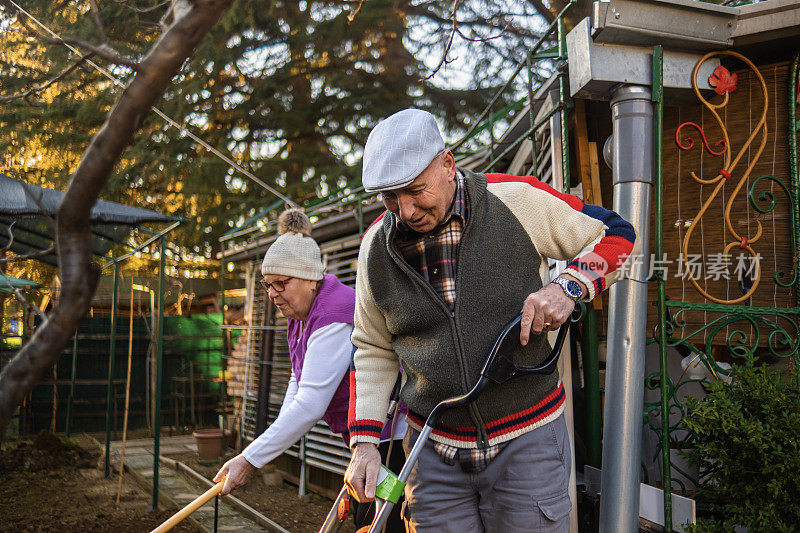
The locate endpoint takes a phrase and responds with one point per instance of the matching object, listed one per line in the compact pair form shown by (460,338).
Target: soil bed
(50,485)
(281,504)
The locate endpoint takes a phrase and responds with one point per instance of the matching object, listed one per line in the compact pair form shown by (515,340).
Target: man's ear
(449,162)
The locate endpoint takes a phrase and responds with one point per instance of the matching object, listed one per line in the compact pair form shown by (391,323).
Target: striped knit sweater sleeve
(374,367)
(595,241)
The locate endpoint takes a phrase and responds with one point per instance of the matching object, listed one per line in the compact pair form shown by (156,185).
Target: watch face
(574,289)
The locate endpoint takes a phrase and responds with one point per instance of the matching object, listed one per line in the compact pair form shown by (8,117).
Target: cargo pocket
(555,513)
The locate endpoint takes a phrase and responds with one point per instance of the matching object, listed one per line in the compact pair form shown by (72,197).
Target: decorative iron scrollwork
(724,83)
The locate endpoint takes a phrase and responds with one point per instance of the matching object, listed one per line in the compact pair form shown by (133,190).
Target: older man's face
(423,203)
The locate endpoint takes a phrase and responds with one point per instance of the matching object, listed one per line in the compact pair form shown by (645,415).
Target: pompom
(294,221)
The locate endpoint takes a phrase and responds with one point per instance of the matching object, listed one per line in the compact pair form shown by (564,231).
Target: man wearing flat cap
(455,257)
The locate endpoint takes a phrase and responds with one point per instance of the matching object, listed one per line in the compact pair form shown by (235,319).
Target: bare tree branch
(10,237)
(79,272)
(481,39)
(548,15)
(51,221)
(354,13)
(96,17)
(21,299)
(34,91)
(32,255)
(142,9)
(453,30)
(104,51)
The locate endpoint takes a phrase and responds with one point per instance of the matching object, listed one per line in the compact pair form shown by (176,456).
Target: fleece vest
(335,302)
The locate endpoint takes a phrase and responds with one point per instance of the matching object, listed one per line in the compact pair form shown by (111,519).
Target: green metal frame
(223,394)
(72,382)
(794,191)
(591,387)
(111,354)
(116,262)
(658,156)
(776,330)
(159,364)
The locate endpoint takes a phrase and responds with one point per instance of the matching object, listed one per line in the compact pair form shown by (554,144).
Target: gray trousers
(524,488)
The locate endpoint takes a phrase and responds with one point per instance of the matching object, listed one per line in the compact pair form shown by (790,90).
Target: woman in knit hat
(319,311)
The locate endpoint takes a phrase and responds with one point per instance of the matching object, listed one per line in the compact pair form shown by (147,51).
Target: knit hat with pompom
(294,253)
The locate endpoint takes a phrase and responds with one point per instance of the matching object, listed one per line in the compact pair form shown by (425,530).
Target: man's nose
(406,207)
(272,293)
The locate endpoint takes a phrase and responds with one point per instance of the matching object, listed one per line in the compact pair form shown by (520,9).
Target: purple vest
(335,302)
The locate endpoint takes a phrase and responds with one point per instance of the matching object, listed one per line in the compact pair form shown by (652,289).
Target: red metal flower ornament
(722,80)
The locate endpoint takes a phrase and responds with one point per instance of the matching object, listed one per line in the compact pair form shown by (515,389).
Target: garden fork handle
(196,504)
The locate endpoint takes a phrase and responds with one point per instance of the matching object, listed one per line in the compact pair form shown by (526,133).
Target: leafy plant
(747,446)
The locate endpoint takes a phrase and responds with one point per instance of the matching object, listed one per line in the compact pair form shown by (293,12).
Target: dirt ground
(280,504)
(50,485)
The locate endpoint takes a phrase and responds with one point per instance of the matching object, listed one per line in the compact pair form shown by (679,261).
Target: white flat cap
(399,148)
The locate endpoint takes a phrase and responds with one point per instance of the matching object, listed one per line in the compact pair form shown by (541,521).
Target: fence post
(111,349)
(72,380)
(658,116)
(159,361)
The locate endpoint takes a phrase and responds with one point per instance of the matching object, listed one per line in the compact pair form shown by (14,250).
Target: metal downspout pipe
(632,148)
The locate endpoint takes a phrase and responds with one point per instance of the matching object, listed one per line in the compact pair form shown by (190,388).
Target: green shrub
(748,451)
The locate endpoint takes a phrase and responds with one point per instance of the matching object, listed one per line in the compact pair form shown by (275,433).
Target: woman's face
(296,298)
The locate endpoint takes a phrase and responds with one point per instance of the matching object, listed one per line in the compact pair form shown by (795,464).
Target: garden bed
(52,485)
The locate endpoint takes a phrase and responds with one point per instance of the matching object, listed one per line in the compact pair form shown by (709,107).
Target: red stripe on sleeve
(573,201)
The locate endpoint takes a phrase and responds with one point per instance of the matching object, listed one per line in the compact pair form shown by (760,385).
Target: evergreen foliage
(748,451)
(290,89)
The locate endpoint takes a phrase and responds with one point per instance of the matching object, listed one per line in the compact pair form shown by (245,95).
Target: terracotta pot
(209,445)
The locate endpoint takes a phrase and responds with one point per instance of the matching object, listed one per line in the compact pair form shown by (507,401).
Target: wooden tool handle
(189,509)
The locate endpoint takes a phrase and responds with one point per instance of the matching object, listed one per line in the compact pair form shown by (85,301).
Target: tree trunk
(73,238)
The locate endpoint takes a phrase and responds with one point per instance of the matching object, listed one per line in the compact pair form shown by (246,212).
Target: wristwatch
(571,288)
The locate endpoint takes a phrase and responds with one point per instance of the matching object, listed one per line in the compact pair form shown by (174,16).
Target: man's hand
(239,471)
(547,305)
(362,474)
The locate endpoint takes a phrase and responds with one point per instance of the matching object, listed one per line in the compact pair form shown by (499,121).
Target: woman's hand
(239,471)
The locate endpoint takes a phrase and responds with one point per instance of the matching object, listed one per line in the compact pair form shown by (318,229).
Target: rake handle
(189,509)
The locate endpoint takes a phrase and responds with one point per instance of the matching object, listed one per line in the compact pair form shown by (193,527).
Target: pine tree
(290,89)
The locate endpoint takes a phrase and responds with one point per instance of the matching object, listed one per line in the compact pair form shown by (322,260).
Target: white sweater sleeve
(326,362)
(291,392)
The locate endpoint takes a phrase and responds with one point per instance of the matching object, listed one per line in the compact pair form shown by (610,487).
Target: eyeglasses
(277,286)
